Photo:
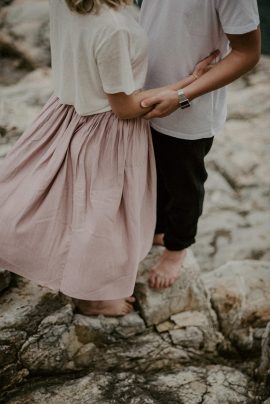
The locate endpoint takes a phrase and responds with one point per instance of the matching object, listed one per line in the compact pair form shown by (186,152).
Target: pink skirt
(77,200)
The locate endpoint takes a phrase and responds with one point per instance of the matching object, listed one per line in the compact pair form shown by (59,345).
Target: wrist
(183,100)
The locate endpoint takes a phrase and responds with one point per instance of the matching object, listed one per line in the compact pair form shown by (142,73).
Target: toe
(159,282)
(131,299)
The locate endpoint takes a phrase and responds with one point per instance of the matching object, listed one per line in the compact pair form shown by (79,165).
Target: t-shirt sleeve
(114,64)
(238,16)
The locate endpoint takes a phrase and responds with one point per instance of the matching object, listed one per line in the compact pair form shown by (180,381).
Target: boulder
(186,294)
(240,294)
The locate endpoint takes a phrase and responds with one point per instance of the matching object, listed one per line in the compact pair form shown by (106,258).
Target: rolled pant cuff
(173,246)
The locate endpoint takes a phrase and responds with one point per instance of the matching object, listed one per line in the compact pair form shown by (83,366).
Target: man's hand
(167,101)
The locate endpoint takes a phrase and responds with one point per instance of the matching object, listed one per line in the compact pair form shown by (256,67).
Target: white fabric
(95,54)
(181,33)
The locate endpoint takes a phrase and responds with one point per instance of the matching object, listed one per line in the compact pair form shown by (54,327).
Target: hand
(205,65)
(165,103)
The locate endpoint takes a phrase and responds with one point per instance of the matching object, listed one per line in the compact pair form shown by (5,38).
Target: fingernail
(143,105)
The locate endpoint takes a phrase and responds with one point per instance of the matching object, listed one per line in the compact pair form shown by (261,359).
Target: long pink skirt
(77,202)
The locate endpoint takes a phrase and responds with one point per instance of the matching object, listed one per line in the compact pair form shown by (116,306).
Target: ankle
(174,255)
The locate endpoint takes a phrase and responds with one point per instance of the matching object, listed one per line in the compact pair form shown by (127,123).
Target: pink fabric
(77,197)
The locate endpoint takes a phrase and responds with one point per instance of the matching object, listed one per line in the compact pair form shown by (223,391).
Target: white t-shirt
(95,54)
(180,34)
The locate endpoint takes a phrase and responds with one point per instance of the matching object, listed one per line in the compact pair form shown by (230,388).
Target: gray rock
(187,293)
(10,343)
(264,369)
(5,276)
(240,294)
(26,304)
(27,24)
(22,102)
(210,385)
(55,346)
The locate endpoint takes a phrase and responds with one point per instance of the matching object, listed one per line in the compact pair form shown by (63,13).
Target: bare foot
(167,269)
(110,308)
(158,239)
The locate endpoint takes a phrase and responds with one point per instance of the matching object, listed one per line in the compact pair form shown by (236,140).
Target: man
(182,32)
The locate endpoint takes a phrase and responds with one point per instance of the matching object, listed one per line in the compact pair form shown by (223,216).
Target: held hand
(205,65)
(164,104)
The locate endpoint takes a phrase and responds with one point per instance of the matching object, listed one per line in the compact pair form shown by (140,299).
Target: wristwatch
(183,100)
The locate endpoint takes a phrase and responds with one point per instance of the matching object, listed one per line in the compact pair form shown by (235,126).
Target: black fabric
(181,176)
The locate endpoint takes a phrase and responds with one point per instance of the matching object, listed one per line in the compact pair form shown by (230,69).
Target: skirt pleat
(78,200)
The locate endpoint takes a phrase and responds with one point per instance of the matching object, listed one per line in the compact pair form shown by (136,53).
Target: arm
(130,106)
(244,55)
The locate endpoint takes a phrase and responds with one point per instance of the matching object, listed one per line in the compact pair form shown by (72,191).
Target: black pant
(181,176)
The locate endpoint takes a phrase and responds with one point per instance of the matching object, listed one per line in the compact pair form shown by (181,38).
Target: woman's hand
(205,65)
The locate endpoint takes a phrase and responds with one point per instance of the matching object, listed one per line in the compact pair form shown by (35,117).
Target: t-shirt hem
(83,113)
(127,91)
(185,136)
(242,29)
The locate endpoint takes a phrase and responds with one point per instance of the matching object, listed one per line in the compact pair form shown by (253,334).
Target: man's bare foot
(110,308)
(167,269)
(158,239)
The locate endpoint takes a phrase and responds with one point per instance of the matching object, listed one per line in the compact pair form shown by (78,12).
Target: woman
(77,190)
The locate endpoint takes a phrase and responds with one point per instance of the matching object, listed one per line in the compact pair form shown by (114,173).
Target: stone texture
(21,103)
(187,293)
(22,307)
(26,23)
(264,369)
(209,385)
(240,296)
(5,278)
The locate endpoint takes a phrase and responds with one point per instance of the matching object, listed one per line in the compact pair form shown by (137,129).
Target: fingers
(150,102)
(155,113)
(216,53)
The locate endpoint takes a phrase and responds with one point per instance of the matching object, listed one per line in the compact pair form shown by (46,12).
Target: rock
(27,25)
(22,102)
(240,294)
(5,278)
(64,343)
(264,369)
(187,293)
(22,307)
(55,346)
(108,328)
(12,375)
(10,343)
(212,384)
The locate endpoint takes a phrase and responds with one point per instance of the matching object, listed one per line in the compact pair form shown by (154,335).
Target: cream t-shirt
(95,54)
(181,33)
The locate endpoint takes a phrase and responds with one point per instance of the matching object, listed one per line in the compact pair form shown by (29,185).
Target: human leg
(182,173)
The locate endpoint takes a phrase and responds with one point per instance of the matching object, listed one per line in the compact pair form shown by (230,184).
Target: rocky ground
(205,340)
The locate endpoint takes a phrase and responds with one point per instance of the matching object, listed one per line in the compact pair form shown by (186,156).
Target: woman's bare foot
(110,308)
(167,269)
(158,239)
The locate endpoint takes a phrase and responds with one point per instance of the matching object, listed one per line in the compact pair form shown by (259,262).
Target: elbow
(254,60)
(122,114)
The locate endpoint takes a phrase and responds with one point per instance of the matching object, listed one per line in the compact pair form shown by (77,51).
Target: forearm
(129,107)
(233,66)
